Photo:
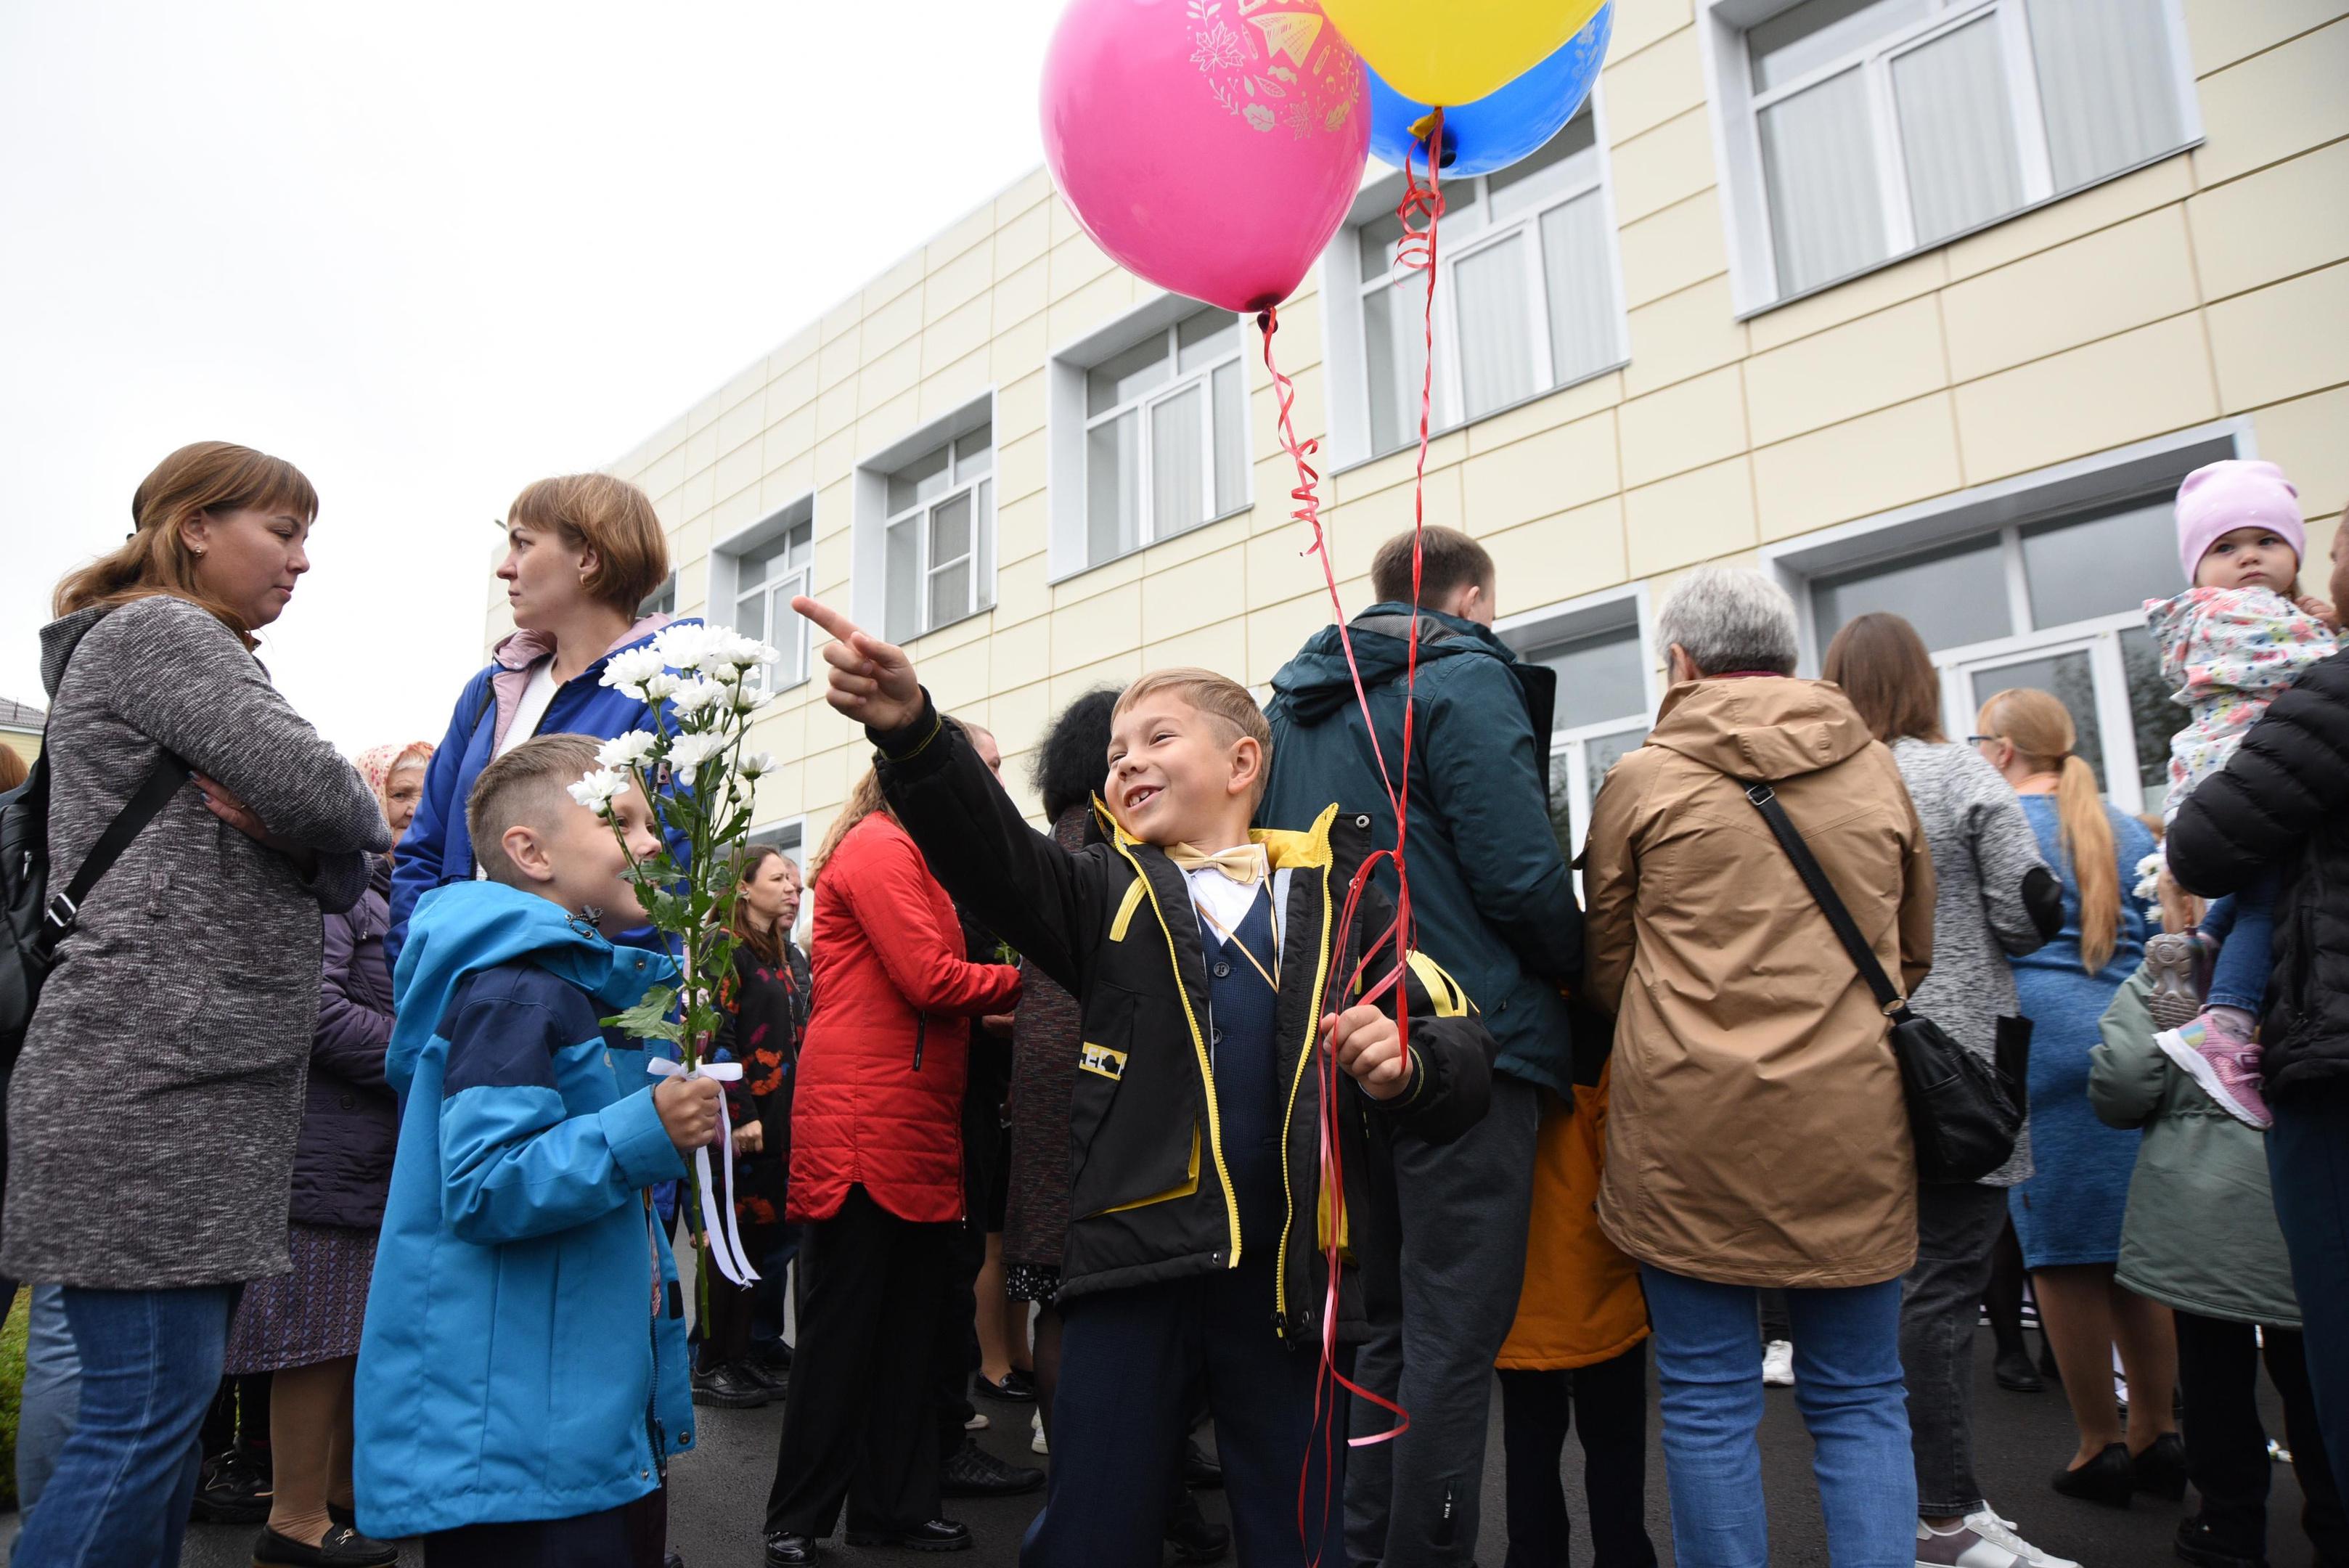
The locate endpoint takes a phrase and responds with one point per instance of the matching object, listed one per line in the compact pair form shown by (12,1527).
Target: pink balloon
(1210,146)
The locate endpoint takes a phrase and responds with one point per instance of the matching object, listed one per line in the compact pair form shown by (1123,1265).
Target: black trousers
(2227,1446)
(1537,1408)
(954,1345)
(725,1334)
(858,1426)
(633,1535)
(1130,1362)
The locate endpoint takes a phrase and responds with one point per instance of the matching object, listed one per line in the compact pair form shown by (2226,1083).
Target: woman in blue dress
(2068,1215)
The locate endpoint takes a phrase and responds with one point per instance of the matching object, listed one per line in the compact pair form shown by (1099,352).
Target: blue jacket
(524,1353)
(1490,892)
(437,849)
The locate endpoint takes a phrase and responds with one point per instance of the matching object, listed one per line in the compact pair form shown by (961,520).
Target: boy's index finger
(840,628)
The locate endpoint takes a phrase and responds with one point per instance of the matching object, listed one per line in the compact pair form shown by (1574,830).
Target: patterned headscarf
(378,764)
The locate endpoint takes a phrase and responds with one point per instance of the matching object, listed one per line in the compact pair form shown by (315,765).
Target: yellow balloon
(1453,52)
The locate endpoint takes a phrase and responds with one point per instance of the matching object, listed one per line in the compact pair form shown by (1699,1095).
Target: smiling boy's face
(1177,776)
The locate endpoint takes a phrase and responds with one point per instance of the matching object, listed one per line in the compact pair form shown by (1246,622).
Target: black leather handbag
(1964,1113)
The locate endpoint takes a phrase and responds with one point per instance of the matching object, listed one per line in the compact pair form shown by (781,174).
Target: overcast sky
(430,252)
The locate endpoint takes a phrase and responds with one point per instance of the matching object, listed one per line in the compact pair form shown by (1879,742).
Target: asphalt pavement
(719,1493)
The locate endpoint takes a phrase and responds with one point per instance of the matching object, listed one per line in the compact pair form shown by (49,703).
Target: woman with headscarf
(303,1327)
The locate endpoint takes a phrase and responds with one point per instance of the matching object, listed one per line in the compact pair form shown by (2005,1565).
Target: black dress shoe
(1017,1387)
(2109,1478)
(971,1472)
(930,1535)
(1200,1473)
(232,1488)
(775,1380)
(2161,1468)
(787,1549)
(2014,1373)
(1194,1538)
(2199,1544)
(341,1548)
(729,1389)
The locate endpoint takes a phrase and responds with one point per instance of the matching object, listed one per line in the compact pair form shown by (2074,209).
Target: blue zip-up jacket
(437,849)
(524,1355)
(1490,892)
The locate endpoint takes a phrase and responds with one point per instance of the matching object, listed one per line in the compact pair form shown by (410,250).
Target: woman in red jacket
(877,1173)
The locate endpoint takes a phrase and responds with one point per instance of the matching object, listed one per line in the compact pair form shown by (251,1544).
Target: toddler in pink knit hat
(2237,636)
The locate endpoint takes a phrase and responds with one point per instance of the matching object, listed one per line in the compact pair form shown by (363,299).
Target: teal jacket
(1490,892)
(523,1356)
(2200,1232)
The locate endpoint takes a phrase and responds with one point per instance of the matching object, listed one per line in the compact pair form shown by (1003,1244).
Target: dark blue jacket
(1490,892)
(437,849)
(350,1122)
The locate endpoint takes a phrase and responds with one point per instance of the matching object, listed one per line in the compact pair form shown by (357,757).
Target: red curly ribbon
(1417,252)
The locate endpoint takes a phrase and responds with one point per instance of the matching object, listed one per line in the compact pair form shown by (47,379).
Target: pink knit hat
(2220,498)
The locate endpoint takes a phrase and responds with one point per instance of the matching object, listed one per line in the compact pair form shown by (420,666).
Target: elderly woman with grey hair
(1756,1135)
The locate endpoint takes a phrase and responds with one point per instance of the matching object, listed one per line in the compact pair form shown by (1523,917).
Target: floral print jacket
(2226,652)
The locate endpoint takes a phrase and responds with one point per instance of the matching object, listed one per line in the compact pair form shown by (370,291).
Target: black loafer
(971,1472)
(1017,1387)
(2109,1478)
(2161,1468)
(2014,1373)
(341,1548)
(337,1514)
(930,1535)
(787,1549)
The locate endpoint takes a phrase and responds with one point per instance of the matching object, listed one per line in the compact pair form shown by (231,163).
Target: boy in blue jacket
(522,1374)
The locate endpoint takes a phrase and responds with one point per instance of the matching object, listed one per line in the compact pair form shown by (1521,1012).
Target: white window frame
(2005,509)
(1345,293)
(871,519)
(1591,615)
(1721,27)
(1202,379)
(789,634)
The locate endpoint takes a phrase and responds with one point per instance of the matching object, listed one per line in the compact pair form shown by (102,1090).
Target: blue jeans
(150,1361)
(2244,924)
(52,1393)
(1848,1386)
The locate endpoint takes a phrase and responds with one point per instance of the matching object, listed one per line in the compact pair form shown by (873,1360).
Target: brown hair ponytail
(2040,729)
(214,476)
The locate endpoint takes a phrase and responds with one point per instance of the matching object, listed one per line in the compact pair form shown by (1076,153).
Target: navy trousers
(1130,1362)
(2308,1160)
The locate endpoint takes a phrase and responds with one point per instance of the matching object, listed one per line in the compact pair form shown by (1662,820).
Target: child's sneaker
(2225,1064)
(2170,962)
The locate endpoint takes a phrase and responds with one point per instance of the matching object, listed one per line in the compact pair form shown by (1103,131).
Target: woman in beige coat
(1756,1134)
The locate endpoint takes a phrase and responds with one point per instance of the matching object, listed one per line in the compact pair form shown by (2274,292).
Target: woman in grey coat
(1994,898)
(2200,1237)
(167,1054)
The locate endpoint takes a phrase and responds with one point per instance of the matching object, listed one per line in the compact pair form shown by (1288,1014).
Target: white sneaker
(1963,1547)
(1036,1444)
(1986,1523)
(978,1422)
(1778,1363)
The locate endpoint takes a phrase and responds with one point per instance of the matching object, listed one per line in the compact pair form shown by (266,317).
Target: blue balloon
(1503,126)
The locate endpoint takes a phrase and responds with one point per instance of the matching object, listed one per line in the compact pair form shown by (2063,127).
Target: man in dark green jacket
(1494,904)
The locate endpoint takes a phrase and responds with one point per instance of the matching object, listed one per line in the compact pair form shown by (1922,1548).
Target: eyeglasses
(1982,739)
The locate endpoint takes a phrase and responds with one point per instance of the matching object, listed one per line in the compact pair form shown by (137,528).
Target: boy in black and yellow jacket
(1201,955)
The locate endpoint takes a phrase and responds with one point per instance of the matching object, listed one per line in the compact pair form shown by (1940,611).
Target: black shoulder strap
(170,774)
(1815,877)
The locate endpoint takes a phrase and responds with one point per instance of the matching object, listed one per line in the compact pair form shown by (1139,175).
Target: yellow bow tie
(1246,864)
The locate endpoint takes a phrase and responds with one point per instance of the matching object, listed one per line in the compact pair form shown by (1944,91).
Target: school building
(1921,305)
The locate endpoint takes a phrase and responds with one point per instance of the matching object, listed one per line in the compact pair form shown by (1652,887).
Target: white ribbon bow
(725,1239)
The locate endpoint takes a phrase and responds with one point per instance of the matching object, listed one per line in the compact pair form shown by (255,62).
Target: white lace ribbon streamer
(717,1221)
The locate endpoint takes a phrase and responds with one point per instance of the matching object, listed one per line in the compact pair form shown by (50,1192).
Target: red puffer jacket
(881,1074)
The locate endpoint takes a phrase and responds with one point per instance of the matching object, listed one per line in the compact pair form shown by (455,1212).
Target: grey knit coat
(1982,848)
(152,1116)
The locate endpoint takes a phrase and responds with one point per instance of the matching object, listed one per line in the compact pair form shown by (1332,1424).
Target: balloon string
(1421,211)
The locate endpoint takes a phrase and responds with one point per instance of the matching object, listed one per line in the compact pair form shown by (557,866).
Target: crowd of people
(1122,1127)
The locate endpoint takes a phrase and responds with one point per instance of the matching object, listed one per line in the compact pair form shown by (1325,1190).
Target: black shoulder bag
(1964,1113)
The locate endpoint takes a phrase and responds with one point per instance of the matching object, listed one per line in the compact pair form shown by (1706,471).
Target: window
(1165,436)
(766,578)
(1527,297)
(662,600)
(1603,710)
(939,537)
(1869,129)
(2056,604)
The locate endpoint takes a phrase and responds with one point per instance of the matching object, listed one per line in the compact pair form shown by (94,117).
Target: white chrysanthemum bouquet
(697,779)
(2148,876)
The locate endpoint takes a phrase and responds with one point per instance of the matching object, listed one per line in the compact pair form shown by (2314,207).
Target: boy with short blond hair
(1204,957)
(522,1377)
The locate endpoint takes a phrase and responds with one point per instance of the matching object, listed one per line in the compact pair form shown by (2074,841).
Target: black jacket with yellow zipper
(1150,1194)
